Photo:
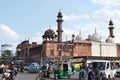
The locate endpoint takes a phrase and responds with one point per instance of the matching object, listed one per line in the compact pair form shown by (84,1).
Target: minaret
(59,23)
(111,29)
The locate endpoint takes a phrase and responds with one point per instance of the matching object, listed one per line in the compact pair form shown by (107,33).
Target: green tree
(6,55)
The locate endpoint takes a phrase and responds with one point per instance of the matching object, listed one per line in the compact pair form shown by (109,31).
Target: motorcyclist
(95,73)
(73,71)
(44,71)
(13,70)
(49,71)
(83,73)
(6,75)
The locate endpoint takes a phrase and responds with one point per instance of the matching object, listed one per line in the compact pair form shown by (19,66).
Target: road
(32,76)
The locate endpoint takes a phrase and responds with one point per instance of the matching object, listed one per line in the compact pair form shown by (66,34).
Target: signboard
(58,62)
(77,60)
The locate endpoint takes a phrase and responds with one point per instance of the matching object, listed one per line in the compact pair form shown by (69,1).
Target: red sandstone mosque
(53,47)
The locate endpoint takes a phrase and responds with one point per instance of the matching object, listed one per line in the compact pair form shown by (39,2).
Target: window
(107,65)
(52,52)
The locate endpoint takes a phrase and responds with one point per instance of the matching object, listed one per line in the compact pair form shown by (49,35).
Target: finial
(49,27)
(95,30)
(59,14)
(59,10)
(110,19)
(110,22)
(80,32)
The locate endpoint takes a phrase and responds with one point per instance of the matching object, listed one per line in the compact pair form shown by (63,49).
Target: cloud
(70,17)
(109,3)
(75,17)
(6,31)
(101,17)
(99,20)
(85,16)
(37,38)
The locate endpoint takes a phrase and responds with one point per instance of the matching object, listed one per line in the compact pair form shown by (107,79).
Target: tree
(6,55)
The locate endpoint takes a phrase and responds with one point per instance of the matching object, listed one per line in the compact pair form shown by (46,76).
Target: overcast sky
(28,19)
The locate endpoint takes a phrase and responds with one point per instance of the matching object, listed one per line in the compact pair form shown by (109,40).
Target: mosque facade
(53,47)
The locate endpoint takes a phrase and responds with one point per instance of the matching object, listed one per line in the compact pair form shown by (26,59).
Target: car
(34,67)
(118,72)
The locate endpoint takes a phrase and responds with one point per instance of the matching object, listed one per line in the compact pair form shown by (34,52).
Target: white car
(118,71)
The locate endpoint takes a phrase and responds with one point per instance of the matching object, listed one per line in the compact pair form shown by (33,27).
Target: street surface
(32,76)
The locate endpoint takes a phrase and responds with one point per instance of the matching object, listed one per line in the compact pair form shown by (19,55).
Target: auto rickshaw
(62,69)
(76,66)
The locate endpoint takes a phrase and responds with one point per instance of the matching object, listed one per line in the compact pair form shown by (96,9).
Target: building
(54,48)
(5,47)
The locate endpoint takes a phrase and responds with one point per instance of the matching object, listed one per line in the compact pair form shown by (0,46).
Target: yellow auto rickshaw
(62,69)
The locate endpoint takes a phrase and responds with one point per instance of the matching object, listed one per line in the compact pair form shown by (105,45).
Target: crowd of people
(11,68)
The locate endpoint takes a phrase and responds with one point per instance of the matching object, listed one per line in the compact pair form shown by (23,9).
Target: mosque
(53,48)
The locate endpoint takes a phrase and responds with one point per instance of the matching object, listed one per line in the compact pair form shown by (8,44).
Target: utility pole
(100,47)
(41,62)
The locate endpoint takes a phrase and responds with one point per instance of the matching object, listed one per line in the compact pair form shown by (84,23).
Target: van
(106,68)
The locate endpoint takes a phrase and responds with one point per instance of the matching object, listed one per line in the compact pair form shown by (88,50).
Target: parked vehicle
(34,67)
(62,69)
(105,68)
(76,66)
(118,71)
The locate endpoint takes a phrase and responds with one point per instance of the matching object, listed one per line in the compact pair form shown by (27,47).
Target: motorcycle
(7,75)
(41,75)
(83,75)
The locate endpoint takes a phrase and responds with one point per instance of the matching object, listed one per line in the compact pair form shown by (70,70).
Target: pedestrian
(73,70)
(44,71)
(87,69)
(49,71)
(95,73)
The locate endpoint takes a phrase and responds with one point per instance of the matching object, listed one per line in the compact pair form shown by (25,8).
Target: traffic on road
(61,70)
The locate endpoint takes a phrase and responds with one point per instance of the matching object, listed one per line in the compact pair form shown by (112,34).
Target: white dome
(96,37)
(79,37)
(110,40)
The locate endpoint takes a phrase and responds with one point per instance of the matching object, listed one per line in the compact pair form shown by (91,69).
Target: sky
(28,19)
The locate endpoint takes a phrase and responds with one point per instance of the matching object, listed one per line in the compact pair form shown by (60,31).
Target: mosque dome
(49,34)
(95,37)
(79,37)
(110,40)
